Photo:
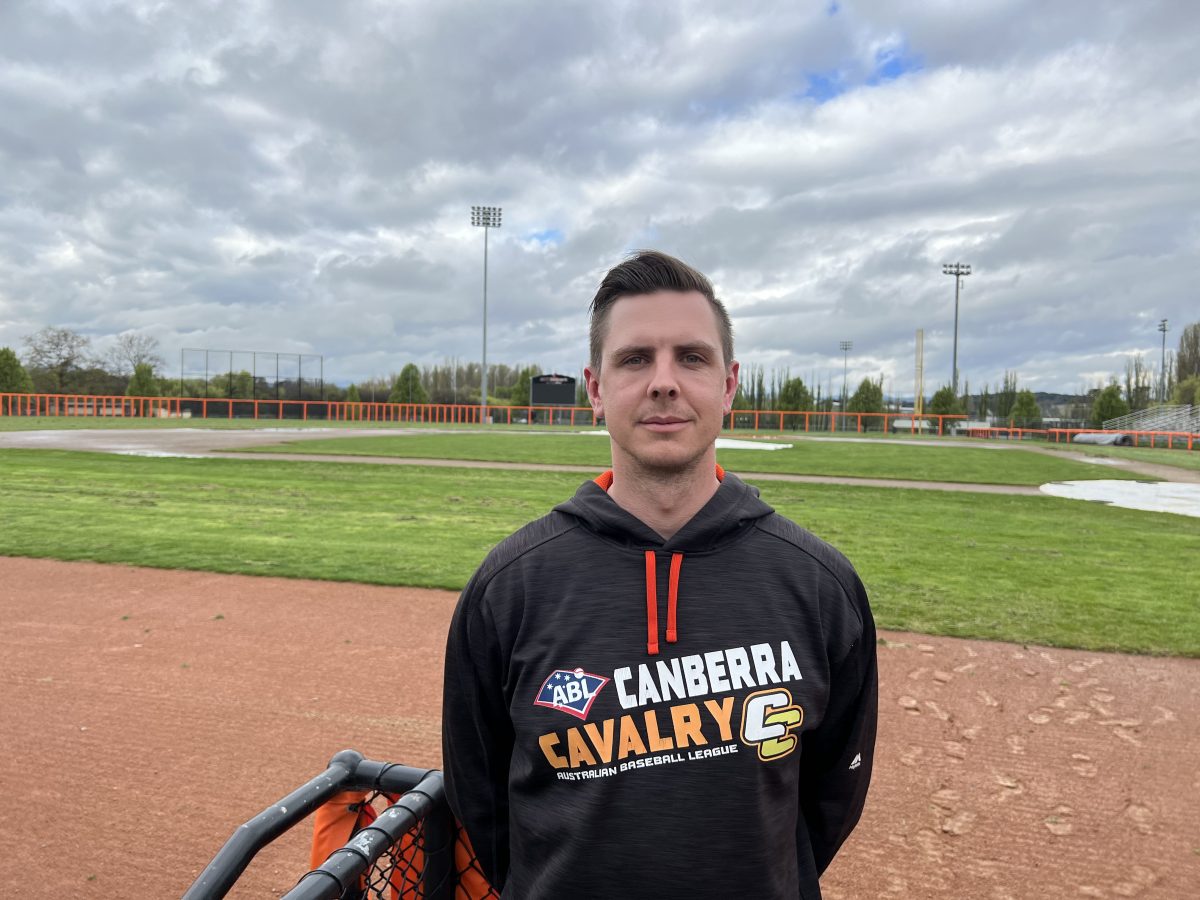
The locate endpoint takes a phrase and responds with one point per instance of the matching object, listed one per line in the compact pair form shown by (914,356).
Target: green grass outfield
(1029,569)
(953,462)
(1161,456)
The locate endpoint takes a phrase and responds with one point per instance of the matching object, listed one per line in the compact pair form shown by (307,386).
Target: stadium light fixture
(959,271)
(487,218)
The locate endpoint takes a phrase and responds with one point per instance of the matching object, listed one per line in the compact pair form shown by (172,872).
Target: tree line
(61,361)
(454,382)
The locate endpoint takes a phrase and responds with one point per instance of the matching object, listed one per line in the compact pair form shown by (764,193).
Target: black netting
(401,873)
(366,845)
(469,883)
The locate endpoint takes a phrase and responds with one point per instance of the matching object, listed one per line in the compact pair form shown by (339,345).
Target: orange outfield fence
(1182,440)
(74,405)
(95,406)
(1165,439)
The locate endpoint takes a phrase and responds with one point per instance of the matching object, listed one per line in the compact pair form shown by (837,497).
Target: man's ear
(731,385)
(592,380)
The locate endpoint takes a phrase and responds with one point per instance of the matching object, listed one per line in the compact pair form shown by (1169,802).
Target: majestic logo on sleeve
(570,691)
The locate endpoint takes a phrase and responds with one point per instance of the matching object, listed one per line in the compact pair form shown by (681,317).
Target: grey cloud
(300,174)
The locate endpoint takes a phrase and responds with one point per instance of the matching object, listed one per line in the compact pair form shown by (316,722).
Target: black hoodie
(630,717)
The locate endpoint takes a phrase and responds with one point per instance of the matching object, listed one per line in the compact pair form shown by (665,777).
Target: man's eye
(693,358)
(634,360)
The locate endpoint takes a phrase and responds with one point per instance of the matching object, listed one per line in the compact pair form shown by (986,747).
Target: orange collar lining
(605,479)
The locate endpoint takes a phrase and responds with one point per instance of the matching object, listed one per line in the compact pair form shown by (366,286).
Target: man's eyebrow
(630,349)
(696,346)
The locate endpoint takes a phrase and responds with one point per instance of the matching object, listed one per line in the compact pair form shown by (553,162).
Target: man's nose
(663,382)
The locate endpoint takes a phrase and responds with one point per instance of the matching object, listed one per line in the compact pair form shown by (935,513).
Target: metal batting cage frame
(411,849)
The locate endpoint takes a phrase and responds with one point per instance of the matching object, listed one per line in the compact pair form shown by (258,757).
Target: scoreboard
(552,390)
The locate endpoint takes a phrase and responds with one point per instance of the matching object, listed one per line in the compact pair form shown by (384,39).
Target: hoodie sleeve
(838,754)
(477,734)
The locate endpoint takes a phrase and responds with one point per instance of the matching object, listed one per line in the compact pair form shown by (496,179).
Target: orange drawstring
(651,606)
(673,595)
(605,480)
(652,601)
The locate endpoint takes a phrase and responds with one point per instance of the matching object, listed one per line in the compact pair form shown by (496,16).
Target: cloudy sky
(298,176)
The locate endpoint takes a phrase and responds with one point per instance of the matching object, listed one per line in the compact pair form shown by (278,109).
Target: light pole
(959,271)
(486,217)
(1162,366)
(846,347)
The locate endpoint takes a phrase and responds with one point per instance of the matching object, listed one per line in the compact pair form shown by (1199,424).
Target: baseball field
(195,620)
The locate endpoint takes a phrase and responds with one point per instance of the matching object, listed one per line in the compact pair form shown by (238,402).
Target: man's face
(663,386)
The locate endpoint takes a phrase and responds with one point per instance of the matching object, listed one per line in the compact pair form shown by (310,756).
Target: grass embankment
(1030,569)
(961,463)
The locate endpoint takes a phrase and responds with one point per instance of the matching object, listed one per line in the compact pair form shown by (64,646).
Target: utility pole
(959,271)
(919,378)
(846,347)
(485,217)
(1162,366)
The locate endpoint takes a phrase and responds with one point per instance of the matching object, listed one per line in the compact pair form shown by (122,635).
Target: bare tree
(1138,382)
(132,350)
(55,357)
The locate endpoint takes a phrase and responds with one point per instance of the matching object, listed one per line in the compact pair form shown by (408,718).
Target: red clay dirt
(148,713)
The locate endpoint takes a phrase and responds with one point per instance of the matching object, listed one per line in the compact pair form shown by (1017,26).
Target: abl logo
(571,691)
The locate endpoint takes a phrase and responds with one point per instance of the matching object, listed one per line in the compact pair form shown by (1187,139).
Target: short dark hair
(646,272)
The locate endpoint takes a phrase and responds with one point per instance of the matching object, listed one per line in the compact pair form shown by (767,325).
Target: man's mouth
(663,424)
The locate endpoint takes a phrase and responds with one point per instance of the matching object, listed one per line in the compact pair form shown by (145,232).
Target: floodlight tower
(486,217)
(845,347)
(1162,366)
(959,271)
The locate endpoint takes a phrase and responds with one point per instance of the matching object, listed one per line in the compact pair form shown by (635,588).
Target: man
(662,688)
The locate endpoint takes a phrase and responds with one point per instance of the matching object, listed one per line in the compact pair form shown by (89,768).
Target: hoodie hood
(733,508)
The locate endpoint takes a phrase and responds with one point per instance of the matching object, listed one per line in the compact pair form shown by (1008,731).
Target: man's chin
(668,461)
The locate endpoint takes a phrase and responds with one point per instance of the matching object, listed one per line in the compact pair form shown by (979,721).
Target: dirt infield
(148,713)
